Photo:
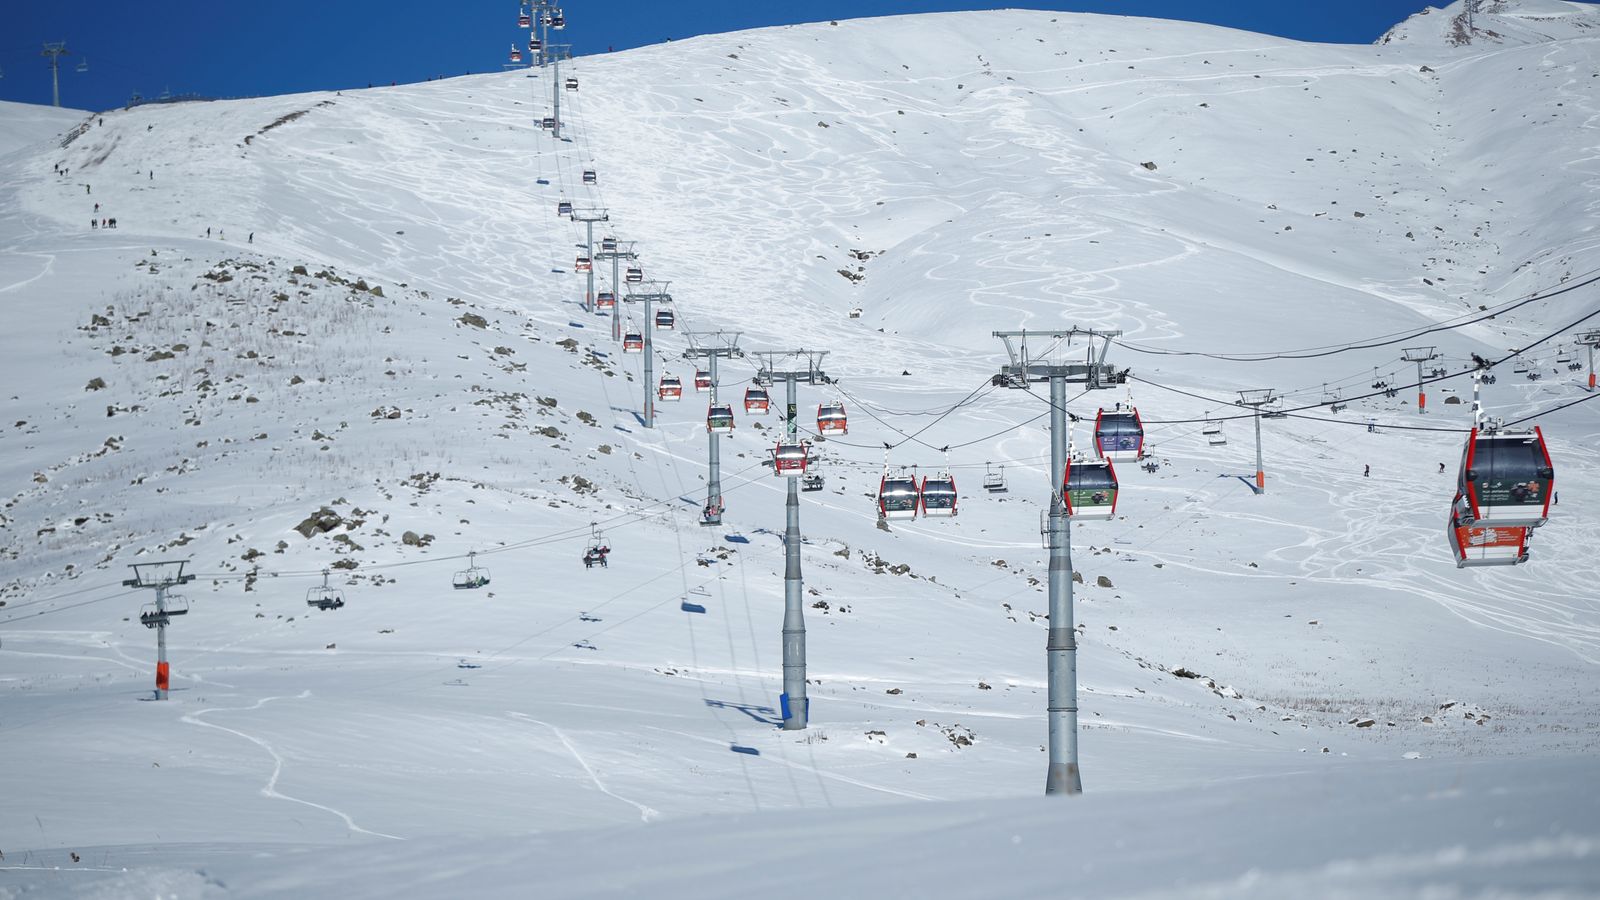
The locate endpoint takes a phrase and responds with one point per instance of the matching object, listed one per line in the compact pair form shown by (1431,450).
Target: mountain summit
(1467,23)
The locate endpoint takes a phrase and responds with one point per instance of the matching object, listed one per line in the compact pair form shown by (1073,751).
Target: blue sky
(247,49)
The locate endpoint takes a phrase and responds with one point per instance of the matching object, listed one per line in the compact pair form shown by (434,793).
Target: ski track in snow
(646,813)
(270,789)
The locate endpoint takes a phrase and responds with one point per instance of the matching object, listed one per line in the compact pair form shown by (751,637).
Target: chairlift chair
(670,389)
(790,459)
(666,320)
(589,177)
(1118,434)
(756,400)
(939,495)
(831,419)
(1213,432)
(634,275)
(719,419)
(898,496)
(812,481)
(632,342)
(855,312)
(325,596)
(702,380)
(598,552)
(583,264)
(1475,545)
(605,300)
(472,577)
(1506,480)
(1089,489)
(175,605)
(994,480)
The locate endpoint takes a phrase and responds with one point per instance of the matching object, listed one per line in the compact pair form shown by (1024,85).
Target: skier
(208,231)
(1366,472)
(94,223)
(251,239)
(1441,468)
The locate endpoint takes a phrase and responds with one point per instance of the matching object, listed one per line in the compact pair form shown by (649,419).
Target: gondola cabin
(756,400)
(535,45)
(564,208)
(1119,434)
(898,497)
(516,55)
(548,123)
(1089,489)
(632,342)
(634,275)
(1507,479)
(558,21)
(524,21)
(702,380)
(831,419)
(605,300)
(719,419)
(608,245)
(939,495)
(1477,545)
(572,84)
(671,388)
(666,320)
(583,264)
(790,459)
(589,177)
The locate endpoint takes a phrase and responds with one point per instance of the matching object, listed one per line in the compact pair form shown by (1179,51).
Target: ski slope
(362,303)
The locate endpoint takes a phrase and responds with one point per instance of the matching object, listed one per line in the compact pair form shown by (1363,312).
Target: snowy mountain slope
(464,399)
(1497,23)
(27,124)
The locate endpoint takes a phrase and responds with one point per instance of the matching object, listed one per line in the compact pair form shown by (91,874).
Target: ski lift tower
(53,51)
(1420,355)
(1257,400)
(650,292)
(1031,365)
(712,346)
(623,251)
(159,577)
(541,10)
(555,53)
(1591,340)
(796,707)
(588,217)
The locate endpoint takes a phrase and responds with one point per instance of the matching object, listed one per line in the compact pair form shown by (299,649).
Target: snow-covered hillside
(1489,23)
(340,331)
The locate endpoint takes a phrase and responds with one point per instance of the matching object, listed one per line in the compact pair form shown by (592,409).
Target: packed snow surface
(342,332)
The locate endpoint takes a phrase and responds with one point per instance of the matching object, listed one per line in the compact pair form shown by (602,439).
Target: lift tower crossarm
(796,706)
(1044,356)
(712,346)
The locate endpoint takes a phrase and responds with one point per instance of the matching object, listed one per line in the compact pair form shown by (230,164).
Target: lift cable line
(1387,340)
